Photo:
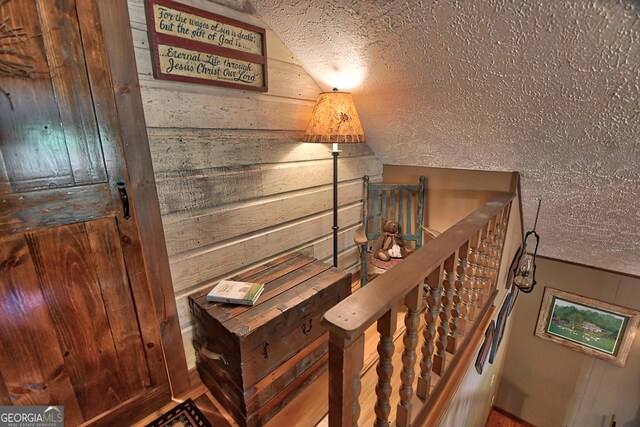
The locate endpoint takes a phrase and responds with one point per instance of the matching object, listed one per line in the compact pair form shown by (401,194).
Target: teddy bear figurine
(390,243)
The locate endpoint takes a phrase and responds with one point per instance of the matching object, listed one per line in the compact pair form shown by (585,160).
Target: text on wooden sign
(189,26)
(185,62)
(196,46)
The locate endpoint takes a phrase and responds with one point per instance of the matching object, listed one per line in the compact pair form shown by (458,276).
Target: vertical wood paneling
(4,393)
(27,325)
(119,306)
(71,288)
(236,185)
(66,60)
(53,105)
(159,330)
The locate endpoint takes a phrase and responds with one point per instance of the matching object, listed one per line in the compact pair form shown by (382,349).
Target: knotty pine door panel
(50,140)
(66,300)
(52,106)
(78,325)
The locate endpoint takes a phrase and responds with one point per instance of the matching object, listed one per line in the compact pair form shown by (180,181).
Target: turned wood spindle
(485,263)
(429,332)
(457,324)
(496,251)
(482,274)
(384,369)
(445,315)
(466,288)
(473,274)
(493,252)
(501,233)
(454,320)
(413,302)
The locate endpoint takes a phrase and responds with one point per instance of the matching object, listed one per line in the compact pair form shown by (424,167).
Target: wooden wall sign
(195,46)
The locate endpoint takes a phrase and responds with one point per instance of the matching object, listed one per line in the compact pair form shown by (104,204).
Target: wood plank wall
(236,185)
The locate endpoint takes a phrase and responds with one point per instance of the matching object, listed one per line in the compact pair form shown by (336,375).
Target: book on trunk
(231,292)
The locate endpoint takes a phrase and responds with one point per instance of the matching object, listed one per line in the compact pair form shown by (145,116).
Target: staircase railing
(448,288)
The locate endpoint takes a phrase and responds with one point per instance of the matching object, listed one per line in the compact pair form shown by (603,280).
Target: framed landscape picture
(587,325)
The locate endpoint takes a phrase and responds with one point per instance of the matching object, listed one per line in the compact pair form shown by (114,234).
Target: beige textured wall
(236,185)
(552,386)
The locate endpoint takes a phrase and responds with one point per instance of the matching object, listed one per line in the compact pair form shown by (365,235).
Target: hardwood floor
(309,408)
(501,418)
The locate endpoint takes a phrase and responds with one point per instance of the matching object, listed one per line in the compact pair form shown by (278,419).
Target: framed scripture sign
(587,325)
(195,46)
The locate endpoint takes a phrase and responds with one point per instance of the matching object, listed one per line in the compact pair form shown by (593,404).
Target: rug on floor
(185,414)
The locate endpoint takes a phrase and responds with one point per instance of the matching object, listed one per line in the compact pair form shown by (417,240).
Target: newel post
(345,363)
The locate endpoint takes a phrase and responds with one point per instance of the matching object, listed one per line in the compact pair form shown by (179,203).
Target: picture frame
(501,324)
(193,45)
(485,348)
(587,325)
(514,296)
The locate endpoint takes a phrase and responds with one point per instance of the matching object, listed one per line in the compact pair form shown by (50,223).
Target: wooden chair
(403,203)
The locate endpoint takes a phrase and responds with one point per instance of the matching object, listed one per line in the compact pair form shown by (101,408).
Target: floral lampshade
(335,119)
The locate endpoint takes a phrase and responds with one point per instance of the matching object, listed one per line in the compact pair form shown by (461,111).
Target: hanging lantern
(524,274)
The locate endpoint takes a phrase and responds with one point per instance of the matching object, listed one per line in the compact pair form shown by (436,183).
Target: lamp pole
(335,153)
(334,119)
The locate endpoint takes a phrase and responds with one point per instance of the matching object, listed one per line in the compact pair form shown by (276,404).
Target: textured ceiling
(549,88)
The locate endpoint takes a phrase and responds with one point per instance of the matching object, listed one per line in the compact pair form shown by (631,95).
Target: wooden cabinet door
(77,317)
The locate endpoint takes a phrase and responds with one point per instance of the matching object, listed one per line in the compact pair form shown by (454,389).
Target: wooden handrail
(356,313)
(448,287)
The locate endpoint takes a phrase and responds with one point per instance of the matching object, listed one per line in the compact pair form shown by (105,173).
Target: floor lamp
(335,120)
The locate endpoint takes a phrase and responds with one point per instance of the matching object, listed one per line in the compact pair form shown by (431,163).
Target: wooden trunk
(256,359)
